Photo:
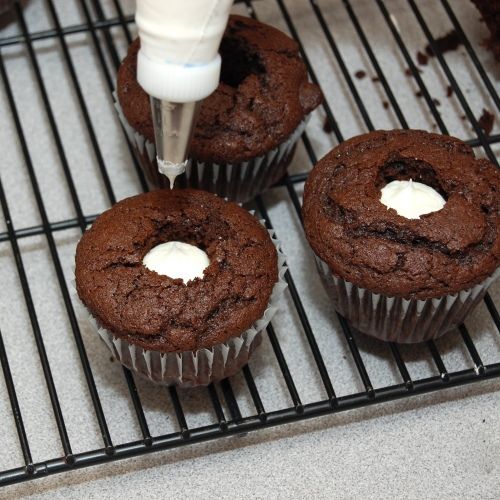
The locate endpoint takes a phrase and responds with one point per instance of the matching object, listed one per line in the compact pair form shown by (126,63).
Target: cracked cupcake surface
(262,97)
(373,247)
(164,314)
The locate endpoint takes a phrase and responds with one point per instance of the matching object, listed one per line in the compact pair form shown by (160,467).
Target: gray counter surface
(440,445)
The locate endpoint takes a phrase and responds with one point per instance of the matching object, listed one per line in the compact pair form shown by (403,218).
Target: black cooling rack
(228,419)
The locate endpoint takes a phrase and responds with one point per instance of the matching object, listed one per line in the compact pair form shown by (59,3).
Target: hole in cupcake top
(238,62)
(410,187)
(176,259)
(411,199)
(185,246)
(408,169)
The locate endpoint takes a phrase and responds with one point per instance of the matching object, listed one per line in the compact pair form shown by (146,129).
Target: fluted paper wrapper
(395,319)
(203,366)
(235,181)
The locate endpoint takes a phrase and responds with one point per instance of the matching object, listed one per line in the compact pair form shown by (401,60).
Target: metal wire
(228,418)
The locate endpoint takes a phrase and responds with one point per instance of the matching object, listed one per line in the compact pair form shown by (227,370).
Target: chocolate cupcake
(247,129)
(189,331)
(5,5)
(411,277)
(490,11)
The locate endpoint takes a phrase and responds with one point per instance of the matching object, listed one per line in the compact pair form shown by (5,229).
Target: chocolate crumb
(436,102)
(326,126)
(449,91)
(375,79)
(463,117)
(112,359)
(385,104)
(434,126)
(422,58)
(486,121)
(360,74)
(450,41)
(418,93)
(409,73)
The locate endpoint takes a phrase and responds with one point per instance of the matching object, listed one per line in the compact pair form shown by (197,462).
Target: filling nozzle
(174,125)
(178,65)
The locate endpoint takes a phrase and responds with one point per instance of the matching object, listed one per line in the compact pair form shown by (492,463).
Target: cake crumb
(486,121)
(375,79)
(436,101)
(360,74)
(449,91)
(418,93)
(422,58)
(385,104)
(112,359)
(408,71)
(446,43)
(326,126)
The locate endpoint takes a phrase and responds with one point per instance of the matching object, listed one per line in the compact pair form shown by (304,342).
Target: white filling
(411,199)
(171,170)
(177,260)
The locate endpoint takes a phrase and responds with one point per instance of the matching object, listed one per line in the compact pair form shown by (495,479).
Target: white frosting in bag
(178,60)
(181,31)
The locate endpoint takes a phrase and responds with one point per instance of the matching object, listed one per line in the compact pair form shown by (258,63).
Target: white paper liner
(201,367)
(235,181)
(395,319)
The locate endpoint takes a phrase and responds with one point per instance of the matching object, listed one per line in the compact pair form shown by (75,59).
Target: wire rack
(314,386)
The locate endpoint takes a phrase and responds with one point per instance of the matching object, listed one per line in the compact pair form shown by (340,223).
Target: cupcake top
(365,243)
(164,314)
(262,96)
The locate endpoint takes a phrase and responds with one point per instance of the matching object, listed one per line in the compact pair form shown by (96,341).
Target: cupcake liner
(235,181)
(394,319)
(203,366)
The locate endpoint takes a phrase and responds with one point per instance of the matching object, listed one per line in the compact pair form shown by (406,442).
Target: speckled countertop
(440,445)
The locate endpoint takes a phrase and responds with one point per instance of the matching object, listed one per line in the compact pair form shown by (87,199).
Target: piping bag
(178,65)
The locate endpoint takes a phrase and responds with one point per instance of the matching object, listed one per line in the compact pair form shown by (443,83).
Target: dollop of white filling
(411,199)
(177,260)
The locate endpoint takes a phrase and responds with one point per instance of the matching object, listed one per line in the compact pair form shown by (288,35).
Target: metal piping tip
(173,125)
